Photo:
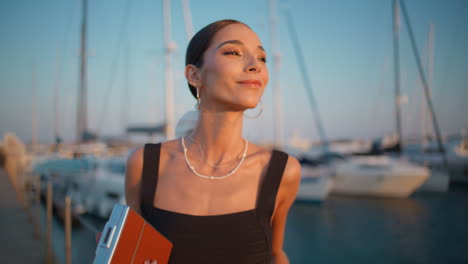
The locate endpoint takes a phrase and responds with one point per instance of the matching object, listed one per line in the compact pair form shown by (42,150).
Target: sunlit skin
(232,79)
(238,66)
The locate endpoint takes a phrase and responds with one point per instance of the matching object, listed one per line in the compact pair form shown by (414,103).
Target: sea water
(424,228)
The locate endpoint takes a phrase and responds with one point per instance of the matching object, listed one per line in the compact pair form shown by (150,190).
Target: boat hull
(378,176)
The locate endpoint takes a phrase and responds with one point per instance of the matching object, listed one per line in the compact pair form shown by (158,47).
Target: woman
(214,195)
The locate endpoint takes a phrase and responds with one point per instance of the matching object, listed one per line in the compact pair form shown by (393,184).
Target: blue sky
(347,46)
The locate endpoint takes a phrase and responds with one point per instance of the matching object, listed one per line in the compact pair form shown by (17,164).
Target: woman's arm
(286,195)
(133,174)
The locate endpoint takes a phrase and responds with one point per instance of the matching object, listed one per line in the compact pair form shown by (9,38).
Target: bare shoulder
(133,172)
(259,154)
(290,182)
(172,147)
(134,165)
(292,172)
(135,158)
(170,151)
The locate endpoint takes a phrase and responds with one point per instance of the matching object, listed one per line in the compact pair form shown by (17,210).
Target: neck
(220,135)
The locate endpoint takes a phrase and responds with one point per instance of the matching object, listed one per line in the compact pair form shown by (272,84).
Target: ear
(192,74)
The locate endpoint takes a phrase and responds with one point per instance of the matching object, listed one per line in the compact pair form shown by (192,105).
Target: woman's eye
(232,52)
(263,59)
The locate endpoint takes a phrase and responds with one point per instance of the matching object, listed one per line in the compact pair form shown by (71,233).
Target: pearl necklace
(212,177)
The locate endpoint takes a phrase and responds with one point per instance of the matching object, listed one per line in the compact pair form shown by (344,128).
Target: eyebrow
(237,42)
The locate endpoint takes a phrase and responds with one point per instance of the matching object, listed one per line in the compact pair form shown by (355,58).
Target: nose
(254,65)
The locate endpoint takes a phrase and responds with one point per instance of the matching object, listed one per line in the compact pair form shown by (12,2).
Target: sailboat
(379,175)
(443,157)
(382,175)
(376,175)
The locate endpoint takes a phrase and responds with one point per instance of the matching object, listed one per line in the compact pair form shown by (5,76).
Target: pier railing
(30,197)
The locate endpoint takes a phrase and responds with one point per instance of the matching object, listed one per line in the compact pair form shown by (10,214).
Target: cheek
(266,76)
(216,73)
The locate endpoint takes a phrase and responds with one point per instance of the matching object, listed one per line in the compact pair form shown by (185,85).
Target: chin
(252,105)
(243,103)
(247,102)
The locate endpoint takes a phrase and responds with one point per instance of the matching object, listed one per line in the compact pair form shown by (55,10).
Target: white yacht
(383,176)
(106,188)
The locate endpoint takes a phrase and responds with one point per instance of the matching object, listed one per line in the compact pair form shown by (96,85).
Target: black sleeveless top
(241,237)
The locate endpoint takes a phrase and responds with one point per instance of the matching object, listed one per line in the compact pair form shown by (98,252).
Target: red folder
(128,238)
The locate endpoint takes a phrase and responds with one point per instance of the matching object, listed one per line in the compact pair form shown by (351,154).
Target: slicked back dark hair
(200,43)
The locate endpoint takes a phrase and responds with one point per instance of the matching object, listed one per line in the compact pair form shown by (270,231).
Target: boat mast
(57,137)
(187,20)
(307,83)
(425,84)
(34,108)
(277,118)
(396,57)
(82,118)
(430,72)
(169,49)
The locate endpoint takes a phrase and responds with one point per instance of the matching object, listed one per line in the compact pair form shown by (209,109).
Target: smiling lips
(251,83)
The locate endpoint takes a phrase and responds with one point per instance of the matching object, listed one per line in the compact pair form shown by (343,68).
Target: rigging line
(424,82)
(122,34)
(426,51)
(307,83)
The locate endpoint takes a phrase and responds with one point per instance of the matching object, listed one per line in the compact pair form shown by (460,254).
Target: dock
(17,241)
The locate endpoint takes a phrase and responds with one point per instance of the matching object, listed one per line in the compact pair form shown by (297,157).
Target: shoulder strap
(269,188)
(150,174)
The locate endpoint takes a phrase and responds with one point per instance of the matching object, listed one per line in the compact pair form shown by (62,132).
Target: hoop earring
(198,99)
(258,114)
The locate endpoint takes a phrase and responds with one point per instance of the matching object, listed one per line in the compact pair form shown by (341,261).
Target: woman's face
(234,72)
